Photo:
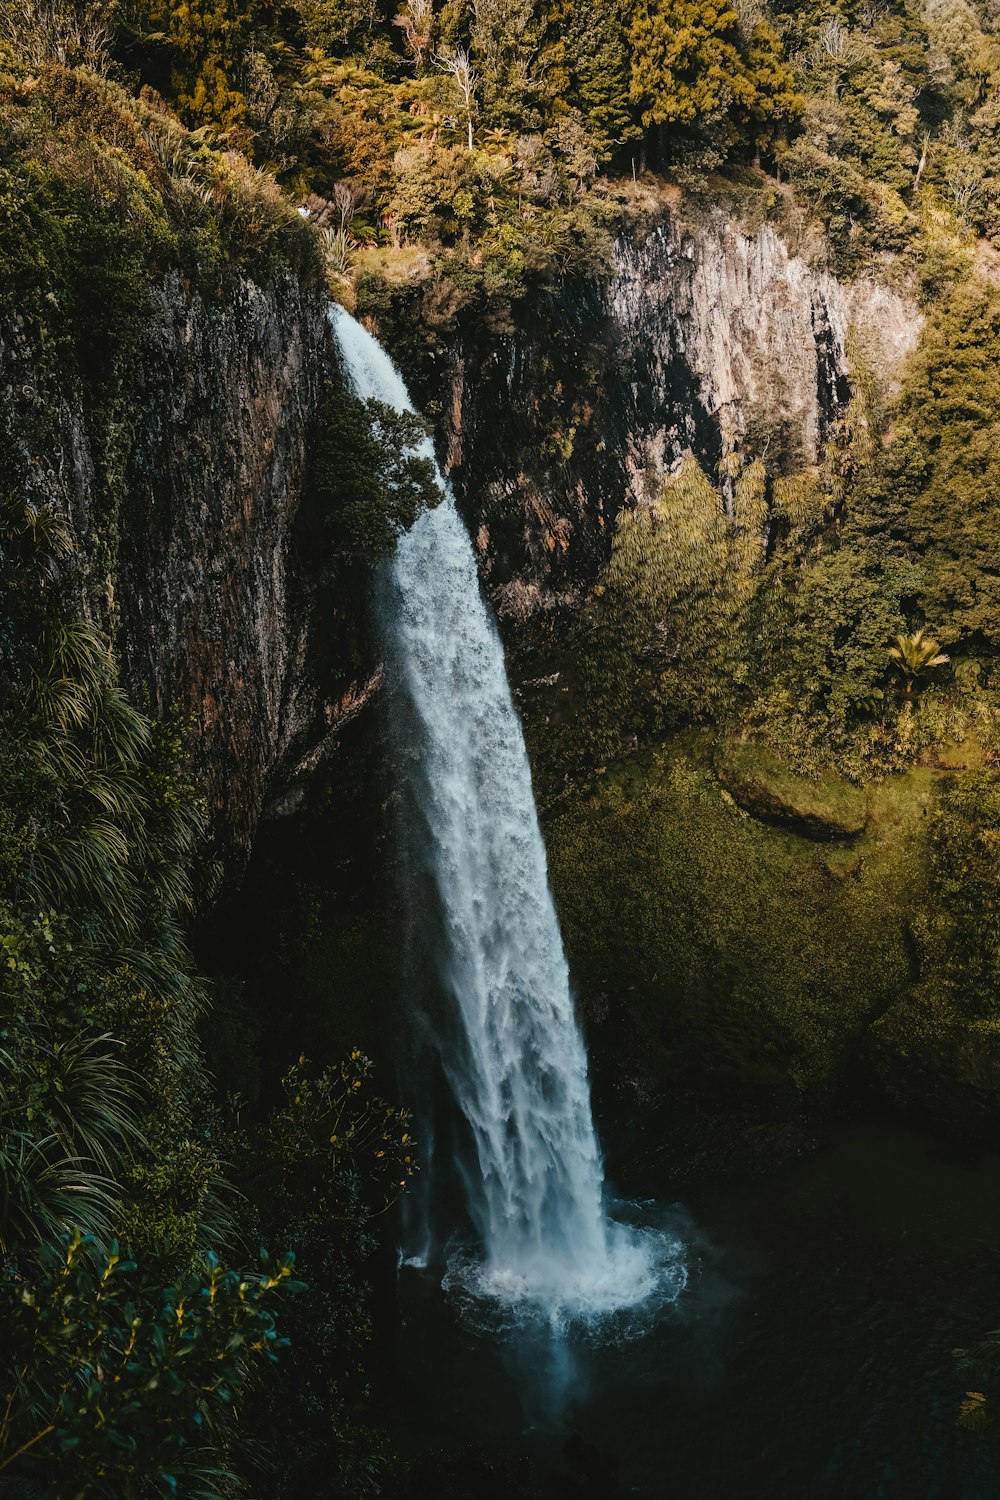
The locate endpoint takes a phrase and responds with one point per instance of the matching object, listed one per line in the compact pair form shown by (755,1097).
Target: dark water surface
(810,1357)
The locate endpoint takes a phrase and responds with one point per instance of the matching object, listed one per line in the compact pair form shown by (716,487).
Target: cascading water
(513,1057)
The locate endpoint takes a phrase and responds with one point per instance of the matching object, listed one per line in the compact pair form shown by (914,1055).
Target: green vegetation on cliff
(746,953)
(475,149)
(770,597)
(492,139)
(133,1371)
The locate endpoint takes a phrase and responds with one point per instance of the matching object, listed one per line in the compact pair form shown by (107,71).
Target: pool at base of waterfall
(611,1295)
(809,1354)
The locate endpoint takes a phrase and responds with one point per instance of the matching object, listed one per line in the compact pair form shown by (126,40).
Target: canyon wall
(697,339)
(182,490)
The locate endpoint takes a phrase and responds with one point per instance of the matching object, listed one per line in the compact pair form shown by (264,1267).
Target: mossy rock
(757,779)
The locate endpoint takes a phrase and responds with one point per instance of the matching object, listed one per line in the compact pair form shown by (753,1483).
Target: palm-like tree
(915,655)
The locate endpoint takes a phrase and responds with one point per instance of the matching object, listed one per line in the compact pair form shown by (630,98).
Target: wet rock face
(183,491)
(213,619)
(697,340)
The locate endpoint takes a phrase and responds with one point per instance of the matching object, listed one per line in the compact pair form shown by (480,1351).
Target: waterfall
(511,1049)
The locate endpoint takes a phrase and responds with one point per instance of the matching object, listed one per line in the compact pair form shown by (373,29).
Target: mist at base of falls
(490,993)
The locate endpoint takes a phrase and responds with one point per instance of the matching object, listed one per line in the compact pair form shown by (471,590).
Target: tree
(915,655)
(415,22)
(321,1171)
(456,63)
(207,40)
(340,26)
(774,102)
(584,65)
(115,1390)
(686,62)
(59,31)
(504,40)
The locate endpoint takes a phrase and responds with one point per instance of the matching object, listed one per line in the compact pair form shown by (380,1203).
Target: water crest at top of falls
(510,1046)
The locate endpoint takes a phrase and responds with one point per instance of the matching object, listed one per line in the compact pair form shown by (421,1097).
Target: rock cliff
(182,489)
(213,614)
(698,338)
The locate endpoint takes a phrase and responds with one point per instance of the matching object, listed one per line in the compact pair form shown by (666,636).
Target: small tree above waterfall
(368,479)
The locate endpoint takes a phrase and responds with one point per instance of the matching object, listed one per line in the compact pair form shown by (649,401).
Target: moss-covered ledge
(826,807)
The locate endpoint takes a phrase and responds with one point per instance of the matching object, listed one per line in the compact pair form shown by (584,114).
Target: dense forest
(192,1211)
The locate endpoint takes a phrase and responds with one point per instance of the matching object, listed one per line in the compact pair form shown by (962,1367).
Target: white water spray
(515,1061)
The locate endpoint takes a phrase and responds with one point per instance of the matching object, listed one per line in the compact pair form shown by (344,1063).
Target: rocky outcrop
(183,491)
(699,339)
(766,336)
(212,615)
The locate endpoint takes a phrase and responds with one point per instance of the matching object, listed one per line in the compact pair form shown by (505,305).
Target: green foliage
(763,784)
(109,830)
(950,421)
(368,478)
(524,66)
(68,1127)
(864,78)
(830,623)
(772,600)
(774,105)
(675,608)
(686,64)
(99,826)
(941,1042)
(586,67)
(101,191)
(339,26)
(329,93)
(113,1389)
(504,36)
(206,40)
(106,1123)
(697,67)
(966,865)
(325,92)
(334,1148)
(740,952)
(325,1167)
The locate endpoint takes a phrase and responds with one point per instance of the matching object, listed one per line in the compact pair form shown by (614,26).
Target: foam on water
(512,1051)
